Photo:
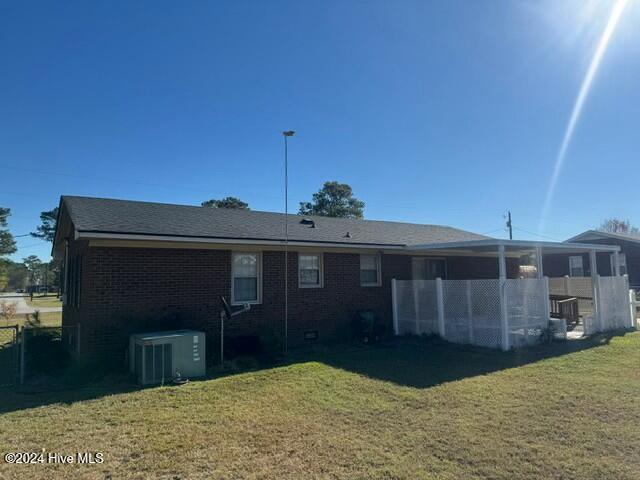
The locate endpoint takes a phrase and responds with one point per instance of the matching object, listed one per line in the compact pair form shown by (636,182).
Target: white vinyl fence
(613,300)
(614,303)
(496,314)
(634,304)
(478,312)
(579,287)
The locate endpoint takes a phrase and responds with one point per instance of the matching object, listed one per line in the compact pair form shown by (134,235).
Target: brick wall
(133,289)
(127,290)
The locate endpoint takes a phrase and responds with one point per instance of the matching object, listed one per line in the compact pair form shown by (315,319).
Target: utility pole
(509,226)
(286,134)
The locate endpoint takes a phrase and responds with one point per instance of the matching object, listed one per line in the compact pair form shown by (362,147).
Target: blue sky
(447,112)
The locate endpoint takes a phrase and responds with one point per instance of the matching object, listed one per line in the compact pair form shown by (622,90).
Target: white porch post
(595,286)
(502,262)
(470,312)
(539,267)
(633,305)
(504,324)
(547,300)
(630,304)
(440,303)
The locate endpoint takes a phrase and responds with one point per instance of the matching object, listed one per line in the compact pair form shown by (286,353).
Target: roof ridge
(293,215)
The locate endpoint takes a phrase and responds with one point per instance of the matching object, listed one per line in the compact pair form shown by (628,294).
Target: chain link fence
(9,356)
(31,352)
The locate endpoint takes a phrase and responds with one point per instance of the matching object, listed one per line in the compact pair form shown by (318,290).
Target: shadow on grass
(412,362)
(426,362)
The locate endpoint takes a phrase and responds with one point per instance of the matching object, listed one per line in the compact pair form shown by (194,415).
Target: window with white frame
(370,270)
(622,258)
(246,284)
(310,270)
(576,267)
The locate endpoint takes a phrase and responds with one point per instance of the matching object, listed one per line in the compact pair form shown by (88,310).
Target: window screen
(310,270)
(245,282)
(369,270)
(576,268)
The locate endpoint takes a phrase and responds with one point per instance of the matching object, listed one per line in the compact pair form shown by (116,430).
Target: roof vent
(308,221)
(348,235)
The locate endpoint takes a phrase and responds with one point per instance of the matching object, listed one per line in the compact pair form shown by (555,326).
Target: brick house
(137,266)
(629,256)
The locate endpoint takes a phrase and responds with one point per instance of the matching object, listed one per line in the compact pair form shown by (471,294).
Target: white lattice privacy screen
(527,310)
(484,313)
(470,310)
(614,303)
(579,287)
(417,310)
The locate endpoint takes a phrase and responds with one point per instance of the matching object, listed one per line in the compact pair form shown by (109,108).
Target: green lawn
(47,319)
(419,409)
(44,301)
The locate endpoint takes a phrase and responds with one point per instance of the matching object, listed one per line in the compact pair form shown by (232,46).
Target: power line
(538,234)
(30,245)
(493,231)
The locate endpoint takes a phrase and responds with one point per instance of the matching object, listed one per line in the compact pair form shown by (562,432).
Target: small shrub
(367,328)
(243,363)
(547,335)
(243,345)
(33,320)
(45,353)
(8,310)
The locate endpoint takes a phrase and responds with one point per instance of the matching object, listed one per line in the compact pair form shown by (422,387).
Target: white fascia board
(229,241)
(515,243)
(615,236)
(432,246)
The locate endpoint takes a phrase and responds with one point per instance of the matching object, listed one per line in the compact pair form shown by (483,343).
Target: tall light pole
(286,134)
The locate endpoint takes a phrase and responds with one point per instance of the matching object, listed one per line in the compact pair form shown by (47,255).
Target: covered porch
(495,292)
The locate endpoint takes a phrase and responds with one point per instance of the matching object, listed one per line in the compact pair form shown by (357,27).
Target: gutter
(84,234)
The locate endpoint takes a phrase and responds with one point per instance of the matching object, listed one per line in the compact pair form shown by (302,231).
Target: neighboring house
(138,266)
(629,256)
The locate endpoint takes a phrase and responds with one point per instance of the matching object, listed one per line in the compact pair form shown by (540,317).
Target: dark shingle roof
(145,218)
(594,234)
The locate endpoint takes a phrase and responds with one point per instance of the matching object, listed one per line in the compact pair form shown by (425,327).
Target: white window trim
(320,266)
(378,283)
(623,263)
(581,265)
(259,273)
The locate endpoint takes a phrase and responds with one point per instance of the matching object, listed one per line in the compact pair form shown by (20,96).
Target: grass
(47,319)
(42,301)
(415,409)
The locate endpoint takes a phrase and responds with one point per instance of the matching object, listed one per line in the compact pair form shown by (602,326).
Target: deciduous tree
(615,225)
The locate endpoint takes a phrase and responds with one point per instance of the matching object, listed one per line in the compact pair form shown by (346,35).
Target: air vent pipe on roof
(308,221)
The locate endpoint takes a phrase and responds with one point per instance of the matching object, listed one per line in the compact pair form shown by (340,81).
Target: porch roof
(490,247)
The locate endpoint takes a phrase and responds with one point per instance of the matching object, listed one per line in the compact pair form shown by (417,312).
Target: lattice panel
(406,307)
(557,286)
(580,287)
(614,303)
(427,306)
(485,309)
(457,318)
(527,310)
(417,307)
